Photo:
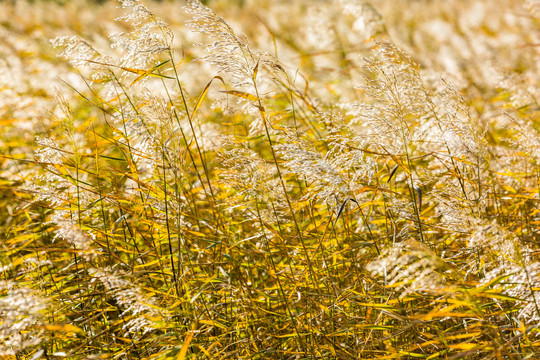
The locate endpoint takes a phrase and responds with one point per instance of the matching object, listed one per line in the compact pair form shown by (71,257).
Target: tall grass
(337,183)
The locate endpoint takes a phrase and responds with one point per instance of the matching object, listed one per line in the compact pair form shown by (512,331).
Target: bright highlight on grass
(270,180)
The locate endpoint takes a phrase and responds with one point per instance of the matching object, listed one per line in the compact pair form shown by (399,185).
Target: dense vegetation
(270,180)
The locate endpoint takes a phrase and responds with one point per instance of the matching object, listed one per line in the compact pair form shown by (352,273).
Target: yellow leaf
(256,70)
(203,94)
(68,328)
(376,305)
(185,347)
(464,346)
(241,94)
(196,233)
(414,355)
(213,323)
(509,188)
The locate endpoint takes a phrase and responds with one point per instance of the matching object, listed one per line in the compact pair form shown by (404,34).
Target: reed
(254,180)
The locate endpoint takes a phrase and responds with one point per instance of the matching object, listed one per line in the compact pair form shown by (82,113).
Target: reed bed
(270,180)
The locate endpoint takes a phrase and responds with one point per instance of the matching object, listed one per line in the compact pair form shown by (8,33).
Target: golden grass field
(332,179)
